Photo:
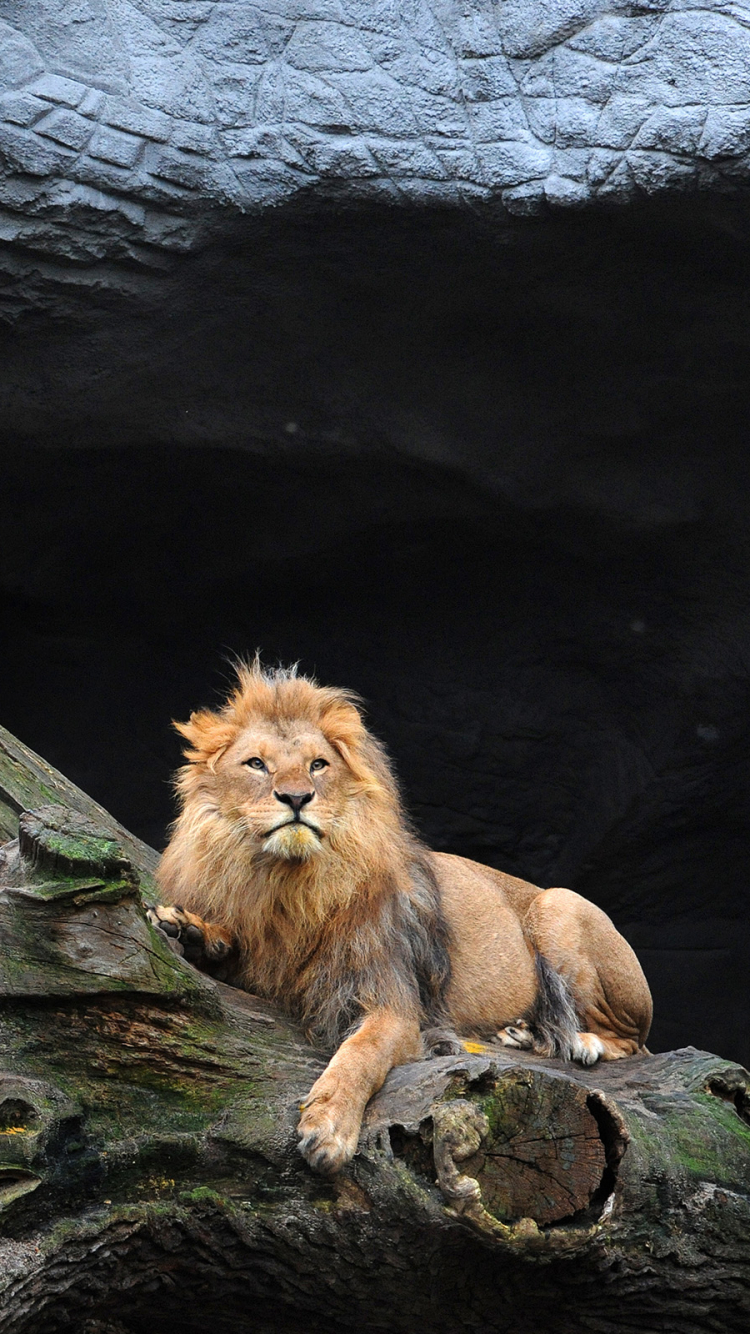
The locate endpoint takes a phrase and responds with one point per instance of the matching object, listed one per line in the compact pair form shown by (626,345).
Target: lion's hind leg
(584,963)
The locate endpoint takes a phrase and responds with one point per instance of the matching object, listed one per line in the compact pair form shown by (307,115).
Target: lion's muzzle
(295,840)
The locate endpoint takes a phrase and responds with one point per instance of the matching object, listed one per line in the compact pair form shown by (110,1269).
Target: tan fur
(323,900)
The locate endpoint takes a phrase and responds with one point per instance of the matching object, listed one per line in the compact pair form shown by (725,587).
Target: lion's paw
(324,1146)
(328,1129)
(201,942)
(518,1035)
(587,1048)
(442,1042)
(168,927)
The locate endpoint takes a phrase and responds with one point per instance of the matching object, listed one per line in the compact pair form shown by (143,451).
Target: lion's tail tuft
(553,1018)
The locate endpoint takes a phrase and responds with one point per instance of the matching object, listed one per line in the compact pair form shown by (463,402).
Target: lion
(293,863)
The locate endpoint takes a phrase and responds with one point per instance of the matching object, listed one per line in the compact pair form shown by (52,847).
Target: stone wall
(123,125)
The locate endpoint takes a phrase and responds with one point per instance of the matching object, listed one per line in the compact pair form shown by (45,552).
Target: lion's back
(464,879)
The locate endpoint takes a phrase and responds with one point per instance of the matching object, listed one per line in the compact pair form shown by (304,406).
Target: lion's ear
(344,728)
(342,725)
(208,735)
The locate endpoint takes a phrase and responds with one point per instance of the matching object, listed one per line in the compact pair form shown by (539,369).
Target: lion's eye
(255,762)
(319,764)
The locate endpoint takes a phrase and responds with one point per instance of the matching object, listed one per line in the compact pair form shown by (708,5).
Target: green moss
(201,1195)
(710,1140)
(183,1079)
(324,1206)
(14,1183)
(89,846)
(84,889)
(150,892)
(726,1115)
(702,1136)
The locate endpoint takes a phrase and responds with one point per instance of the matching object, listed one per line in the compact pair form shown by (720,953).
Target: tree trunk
(149,1178)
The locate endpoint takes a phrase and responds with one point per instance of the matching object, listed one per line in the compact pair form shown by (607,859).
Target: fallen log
(149,1177)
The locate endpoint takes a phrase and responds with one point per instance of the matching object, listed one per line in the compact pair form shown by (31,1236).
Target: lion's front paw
(202,943)
(328,1129)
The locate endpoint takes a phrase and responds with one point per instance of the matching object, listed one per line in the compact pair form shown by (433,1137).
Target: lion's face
(286,784)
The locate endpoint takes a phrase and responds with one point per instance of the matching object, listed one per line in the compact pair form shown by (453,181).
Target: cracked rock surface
(124,124)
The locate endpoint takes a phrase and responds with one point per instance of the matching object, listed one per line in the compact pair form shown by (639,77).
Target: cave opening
(492,475)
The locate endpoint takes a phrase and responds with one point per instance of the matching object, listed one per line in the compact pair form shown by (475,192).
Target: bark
(27,781)
(149,1177)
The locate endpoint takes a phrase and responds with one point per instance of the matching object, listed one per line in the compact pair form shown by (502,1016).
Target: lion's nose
(294,799)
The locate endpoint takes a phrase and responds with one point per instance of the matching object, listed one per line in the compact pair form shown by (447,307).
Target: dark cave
(492,476)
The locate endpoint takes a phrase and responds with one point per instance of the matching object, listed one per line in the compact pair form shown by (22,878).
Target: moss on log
(27,782)
(149,1178)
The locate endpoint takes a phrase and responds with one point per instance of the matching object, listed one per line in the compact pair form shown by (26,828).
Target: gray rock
(514,104)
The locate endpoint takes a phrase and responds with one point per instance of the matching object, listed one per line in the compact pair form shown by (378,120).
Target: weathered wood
(72,921)
(149,1178)
(541,1155)
(27,782)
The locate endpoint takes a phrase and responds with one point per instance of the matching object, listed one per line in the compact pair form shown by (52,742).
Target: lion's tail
(553,1018)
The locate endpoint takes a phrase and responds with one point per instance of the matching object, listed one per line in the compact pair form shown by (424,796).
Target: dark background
(494,478)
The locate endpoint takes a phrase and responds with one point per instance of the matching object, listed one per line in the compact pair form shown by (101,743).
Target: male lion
(294,861)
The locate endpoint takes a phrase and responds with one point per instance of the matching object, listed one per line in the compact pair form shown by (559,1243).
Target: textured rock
(117,119)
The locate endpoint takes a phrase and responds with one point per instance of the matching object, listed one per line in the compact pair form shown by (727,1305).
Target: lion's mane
(355,927)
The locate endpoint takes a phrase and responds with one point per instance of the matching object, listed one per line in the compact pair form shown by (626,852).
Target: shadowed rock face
(489,470)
